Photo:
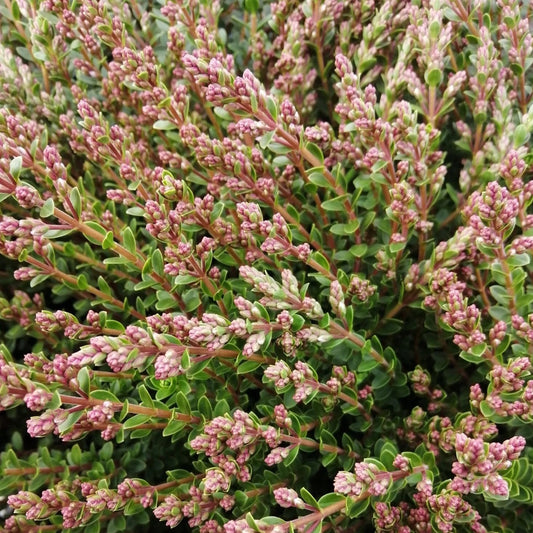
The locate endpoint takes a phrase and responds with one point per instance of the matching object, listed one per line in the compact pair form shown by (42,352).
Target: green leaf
(92,527)
(108,241)
(355,508)
(184,279)
(15,168)
(500,294)
(129,240)
(223,113)
(106,451)
(308,498)
(486,410)
(47,209)
(182,403)
(521,135)
(185,360)
(321,260)
(380,380)
(136,420)
(204,407)
(173,427)
(315,151)
(57,234)
(84,380)
(330,499)
(291,456)
(265,139)
(335,204)
(143,285)
(117,261)
(82,282)
(75,200)
(144,396)
(246,367)
(38,279)
(164,301)
(433,77)
(387,454)
(104,395)
(518,260)
(75,456)
(499,312)
(7,484)
(135,211)
(271,106)
(318,179)
(191,299)
(96,228)
(251,6)
(359,250)
(164,125)
(338,229)
(117,524)
(103,285)
(221,408)
(71,419)
(15,10)
(157,262)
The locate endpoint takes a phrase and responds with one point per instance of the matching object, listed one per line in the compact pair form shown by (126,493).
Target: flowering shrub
(266,267)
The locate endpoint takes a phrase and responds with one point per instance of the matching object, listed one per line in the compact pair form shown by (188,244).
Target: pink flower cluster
(281,296)
(478,464)
(366,480)
(491,213)
(229,441)
(509,393)
(196,505)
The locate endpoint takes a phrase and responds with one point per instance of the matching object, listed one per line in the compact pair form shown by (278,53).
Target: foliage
(266,267)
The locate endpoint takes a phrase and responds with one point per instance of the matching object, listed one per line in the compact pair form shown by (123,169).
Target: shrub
(274,265)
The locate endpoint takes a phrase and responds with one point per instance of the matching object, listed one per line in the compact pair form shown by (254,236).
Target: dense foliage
(266,267)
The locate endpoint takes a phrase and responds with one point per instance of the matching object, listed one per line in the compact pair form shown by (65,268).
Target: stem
(31,470)
(310,443)
(482,289)
(132,408)
(200,273)
(356,404)
(340,332)
(137,259)
(294,143)
(508,278)
(114,375)
(477,139)
(97,236)
(86,260)
(72,280)
(458,7)
(423,218)
(432,105)
(153,425)
(327,273)
(318,516)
